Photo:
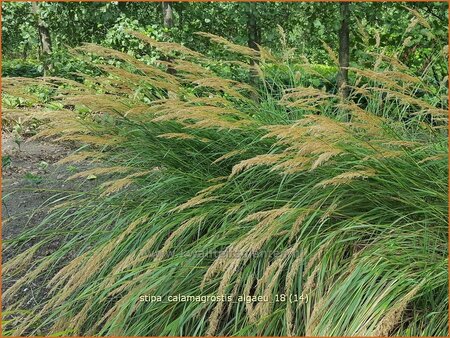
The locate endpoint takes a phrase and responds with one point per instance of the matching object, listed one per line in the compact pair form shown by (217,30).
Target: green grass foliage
(247,185)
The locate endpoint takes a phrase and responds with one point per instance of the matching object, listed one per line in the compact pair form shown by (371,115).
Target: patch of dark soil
(31,178)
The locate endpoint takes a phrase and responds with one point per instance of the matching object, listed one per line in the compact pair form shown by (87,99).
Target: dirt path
(30,178)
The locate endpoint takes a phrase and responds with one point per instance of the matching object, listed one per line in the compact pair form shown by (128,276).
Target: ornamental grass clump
(333,209)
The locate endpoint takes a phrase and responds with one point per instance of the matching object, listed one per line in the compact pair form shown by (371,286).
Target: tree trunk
(254,31)
(45,43)
(167,14)
(344,49)
(253,36)
(25,50)
(168,23)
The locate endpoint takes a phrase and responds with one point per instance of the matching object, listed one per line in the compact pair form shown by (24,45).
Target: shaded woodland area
(38,36)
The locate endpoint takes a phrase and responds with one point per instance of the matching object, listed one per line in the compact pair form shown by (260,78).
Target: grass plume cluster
(215,186)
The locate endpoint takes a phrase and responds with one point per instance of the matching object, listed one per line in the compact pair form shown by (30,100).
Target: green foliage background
(307,25)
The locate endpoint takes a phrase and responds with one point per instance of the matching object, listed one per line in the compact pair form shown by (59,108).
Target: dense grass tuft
(222,186)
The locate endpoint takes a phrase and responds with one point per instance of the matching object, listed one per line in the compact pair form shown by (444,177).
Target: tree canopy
(306,25)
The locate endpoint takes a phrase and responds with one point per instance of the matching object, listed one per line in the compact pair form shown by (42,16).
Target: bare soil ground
(30,178)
